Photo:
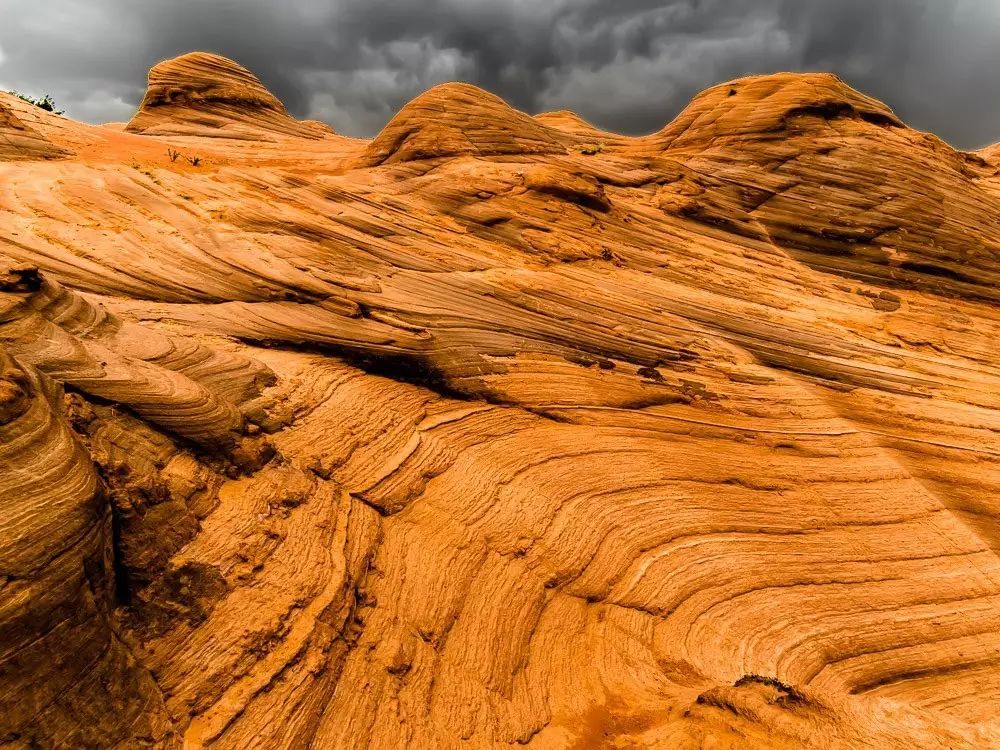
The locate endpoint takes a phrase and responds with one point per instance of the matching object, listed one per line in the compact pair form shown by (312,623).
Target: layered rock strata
(497,430)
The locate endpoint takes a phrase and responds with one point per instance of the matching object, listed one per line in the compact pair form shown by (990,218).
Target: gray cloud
(628,65)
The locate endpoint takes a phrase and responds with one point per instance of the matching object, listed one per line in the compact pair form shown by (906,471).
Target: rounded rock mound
(837,180)
(456,119)
(203,94)
(769,106)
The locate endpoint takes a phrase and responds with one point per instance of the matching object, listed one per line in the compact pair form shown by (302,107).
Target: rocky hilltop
(497,431)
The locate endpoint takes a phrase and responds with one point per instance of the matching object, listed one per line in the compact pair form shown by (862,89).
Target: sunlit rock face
(497,430)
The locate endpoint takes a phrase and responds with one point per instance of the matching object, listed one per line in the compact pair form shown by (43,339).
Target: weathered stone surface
(497,430)
(18,139)
(208,95)
(456,119)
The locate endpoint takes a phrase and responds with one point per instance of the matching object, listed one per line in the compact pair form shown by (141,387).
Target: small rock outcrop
(458,119)
(209,95)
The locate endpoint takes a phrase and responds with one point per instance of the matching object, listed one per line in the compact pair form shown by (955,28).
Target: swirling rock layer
(499,431)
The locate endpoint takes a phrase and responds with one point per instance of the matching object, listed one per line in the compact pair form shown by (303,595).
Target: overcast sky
(626,65)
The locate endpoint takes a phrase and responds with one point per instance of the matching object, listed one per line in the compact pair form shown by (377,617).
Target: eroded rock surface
(204,94)
(497,430)
(18,139)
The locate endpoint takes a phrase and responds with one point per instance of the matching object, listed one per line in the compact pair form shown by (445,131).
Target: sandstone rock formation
(456,119)
(204,94)
(18,140)
(497,430)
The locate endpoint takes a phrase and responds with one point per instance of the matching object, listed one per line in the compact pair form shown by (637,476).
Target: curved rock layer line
(498,430)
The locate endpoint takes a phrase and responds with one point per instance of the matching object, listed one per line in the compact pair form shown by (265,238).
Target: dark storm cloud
(628,65)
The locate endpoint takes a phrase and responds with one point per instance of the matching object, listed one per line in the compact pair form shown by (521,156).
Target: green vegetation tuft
(45,102)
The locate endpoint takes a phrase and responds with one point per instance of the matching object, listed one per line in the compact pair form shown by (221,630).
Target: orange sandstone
(497,430)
